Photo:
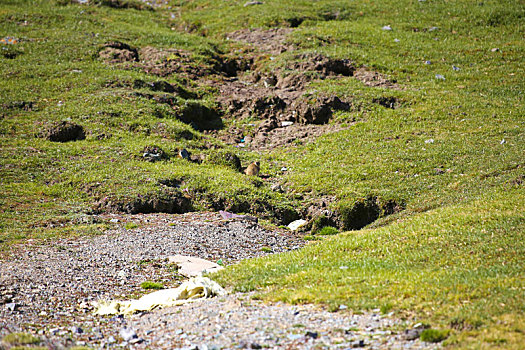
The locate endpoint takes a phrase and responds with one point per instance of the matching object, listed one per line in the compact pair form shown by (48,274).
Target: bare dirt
(258,110)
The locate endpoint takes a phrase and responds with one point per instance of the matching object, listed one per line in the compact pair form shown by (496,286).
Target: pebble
(251,3)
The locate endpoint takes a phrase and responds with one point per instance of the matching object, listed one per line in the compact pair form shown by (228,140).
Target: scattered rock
(64,131)
(128,334)
(11,306)
(358,344)
(153,154)
(76,330)
(313,335)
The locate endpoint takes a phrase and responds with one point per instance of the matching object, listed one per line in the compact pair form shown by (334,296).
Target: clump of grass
(328,231)
(130,225)
(386,308)
(20,339)
(434,335)
(266,249)
(151,285)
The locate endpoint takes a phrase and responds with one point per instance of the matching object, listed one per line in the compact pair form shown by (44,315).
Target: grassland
(451,154)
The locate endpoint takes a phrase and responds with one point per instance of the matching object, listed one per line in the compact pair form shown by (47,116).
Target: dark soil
(63,132)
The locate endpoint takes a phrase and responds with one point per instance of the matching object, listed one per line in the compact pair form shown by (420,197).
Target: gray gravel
(47,290)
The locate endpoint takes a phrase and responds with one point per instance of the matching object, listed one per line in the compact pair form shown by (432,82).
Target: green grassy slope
(450,154)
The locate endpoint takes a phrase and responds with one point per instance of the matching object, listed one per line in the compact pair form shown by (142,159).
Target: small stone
(11,306)
(251,3)
(294,336)
(184,154)
(496,49)
(122,274)
(343,307)
(312,335)
(286,123)
(277,188)
(358,344)
(114,221)
(431,29)
(111,340)
(412,334)
(127,334)
(76,330)
(136,341)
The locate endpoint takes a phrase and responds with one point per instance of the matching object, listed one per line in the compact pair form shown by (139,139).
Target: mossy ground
(450,153)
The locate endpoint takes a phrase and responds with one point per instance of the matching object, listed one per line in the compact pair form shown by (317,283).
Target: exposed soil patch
(164,62)
(270,41)
(387,102)
(354,216)
(295,134)
(117,52)
(375,79)
(22,105)
(169,201)
(324,65)
(63,132)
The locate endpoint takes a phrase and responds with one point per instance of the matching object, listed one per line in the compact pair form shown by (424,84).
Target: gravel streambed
(48,291)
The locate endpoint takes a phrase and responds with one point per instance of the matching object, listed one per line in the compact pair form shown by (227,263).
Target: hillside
(399,124)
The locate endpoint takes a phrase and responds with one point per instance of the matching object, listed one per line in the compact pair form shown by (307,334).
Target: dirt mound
(171,202)
(117,52)
(63,132)
(295,134)
(374,79)
(164,62)
(270,41)
(325,65)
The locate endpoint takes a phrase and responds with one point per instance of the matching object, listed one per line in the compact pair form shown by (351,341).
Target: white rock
(295,225)
(192,266)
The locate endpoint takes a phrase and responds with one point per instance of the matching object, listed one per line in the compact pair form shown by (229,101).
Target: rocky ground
(47,290)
